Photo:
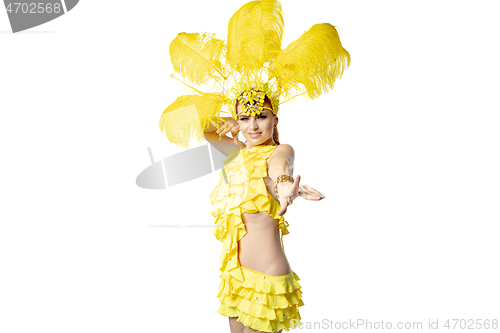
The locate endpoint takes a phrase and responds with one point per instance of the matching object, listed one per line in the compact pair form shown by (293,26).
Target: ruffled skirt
(262,302)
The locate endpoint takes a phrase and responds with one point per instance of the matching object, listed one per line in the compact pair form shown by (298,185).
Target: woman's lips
(254,135)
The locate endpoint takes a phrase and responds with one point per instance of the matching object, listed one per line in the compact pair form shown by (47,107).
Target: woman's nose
(253,122)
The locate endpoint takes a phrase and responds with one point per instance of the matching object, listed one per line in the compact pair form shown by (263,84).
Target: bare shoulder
(284,150)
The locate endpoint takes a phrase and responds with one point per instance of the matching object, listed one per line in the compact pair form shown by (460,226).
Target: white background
(405,149)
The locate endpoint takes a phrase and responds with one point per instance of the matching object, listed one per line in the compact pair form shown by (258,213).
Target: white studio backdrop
(405,149)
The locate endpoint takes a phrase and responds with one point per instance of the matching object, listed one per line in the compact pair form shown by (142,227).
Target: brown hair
(276,136)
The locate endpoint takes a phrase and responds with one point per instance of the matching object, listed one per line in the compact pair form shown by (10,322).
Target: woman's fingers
(235,137)
(221,128)
(309,193)
(235,130)
(234,133)
(311,190)
(224,131)
(229,128)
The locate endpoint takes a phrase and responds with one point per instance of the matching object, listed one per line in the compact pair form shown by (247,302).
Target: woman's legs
(237,327)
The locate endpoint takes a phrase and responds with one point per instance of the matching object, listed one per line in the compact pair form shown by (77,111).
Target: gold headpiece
(249,67)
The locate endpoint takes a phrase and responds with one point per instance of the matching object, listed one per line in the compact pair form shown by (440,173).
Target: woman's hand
(233,127)
(287,192)
(309,193)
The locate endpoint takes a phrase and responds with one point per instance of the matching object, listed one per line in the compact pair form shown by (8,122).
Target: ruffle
(276,295)
(246,193)
(241,189)
(262,302)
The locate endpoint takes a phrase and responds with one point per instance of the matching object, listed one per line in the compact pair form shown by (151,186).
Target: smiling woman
(258,291)
(253,251)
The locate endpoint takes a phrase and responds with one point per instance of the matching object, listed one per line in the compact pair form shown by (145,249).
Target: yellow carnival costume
(247,68)
(260,301)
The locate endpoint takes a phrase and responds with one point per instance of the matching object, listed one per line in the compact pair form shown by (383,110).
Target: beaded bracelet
(280,179)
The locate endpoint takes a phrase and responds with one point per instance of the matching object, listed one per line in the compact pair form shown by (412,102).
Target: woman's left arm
(282,164)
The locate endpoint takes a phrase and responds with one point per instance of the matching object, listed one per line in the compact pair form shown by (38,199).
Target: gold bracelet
(282,178)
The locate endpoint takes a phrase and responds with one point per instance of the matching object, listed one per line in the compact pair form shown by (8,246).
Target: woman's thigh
(237,327)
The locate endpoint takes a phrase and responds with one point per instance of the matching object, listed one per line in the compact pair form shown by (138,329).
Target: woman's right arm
(222,142)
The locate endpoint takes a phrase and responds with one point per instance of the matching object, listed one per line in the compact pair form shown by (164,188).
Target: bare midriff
(260,249)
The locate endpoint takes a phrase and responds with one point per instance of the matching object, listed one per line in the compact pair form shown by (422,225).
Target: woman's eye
(263,117)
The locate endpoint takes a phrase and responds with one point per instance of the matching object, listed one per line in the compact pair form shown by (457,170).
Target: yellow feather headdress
(248,67)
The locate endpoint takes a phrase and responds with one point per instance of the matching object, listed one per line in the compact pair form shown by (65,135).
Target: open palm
(290,192)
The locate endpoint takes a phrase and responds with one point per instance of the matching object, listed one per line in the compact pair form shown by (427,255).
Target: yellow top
(246,192)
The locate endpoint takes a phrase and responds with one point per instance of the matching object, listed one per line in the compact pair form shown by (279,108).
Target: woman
(252,251)
(252,75)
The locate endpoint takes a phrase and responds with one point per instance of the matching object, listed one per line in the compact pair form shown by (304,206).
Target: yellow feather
(312,63)
(196,56)
(254,35)
(187,117)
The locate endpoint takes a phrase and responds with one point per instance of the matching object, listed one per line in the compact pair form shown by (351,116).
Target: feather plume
(196,56)
(188,116)
(254,35)
(312,63)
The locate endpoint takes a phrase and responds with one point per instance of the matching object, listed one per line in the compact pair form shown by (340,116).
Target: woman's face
(261,124)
